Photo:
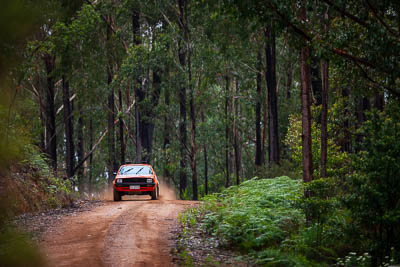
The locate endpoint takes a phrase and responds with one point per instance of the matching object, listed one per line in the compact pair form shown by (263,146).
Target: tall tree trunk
(379,101)
(138,158)
(274,153)
(137,87)
(182,104)
(42,119)
(69,130)
(128,124)
(166,143)
(51,136)
(346,141)
(80,149)
(193,138)
(305,110)
(306,121)
(237,140)
(324,116)
(112,164)
(363,105)
(316,81)
(265,124)
(205,160)
(306,114)
(258,156)
(144,115)
(227,126)
(42,113)
(324,110)
(205,169)
(192,103)
(111,136)
(121,130)
(91,155)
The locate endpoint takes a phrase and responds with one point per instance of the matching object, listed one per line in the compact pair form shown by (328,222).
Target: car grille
(134,180)
(127,185)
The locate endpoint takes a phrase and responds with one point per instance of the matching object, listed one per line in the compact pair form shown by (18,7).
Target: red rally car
(136,179)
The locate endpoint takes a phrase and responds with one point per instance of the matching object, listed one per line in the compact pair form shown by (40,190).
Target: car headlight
(119,181)
(149,180)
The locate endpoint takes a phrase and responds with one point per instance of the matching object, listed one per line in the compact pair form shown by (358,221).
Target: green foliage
(185,194)
(187,259)
(257,214)
(375,186)
(265,219)
(338,161)
(279,258)
(320,202)
(320,206)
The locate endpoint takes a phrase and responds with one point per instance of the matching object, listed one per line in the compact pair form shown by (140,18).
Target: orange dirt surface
(134,232)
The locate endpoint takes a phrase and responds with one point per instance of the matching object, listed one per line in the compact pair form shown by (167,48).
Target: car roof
(138,164)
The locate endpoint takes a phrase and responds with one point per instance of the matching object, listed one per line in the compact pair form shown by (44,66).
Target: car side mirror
(115,173)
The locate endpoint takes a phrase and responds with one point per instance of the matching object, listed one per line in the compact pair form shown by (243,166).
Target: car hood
(135,176)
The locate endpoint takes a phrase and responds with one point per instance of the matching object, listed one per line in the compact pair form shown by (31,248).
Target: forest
(286,107)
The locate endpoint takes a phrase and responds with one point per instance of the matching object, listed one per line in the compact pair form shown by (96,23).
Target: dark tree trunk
(324,117)
(146,131)
(363,105)
(192,103)
(128,124)
(205,169)
(324,108)
(112,164)
(167,141)
(144,115)
(274,157)
(306,120)
(306,114)
(193,143)
(51,136)
(265,124)
(316,82)
(91,155)
(137,130)
(111,136)
(379,101)
(258,156)
(236,133)
(139,95)
(121,131)
(205,159)
(182,104)
(346,141)
(69,130)
(42,114)
(227,126)
(80,150)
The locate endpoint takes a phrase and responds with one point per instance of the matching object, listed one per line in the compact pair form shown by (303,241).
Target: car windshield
(142,170)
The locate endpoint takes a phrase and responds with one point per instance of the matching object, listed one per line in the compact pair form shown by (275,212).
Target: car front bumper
(125,187)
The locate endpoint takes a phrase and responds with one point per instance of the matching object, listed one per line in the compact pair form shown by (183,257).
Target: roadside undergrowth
(249,223)
(30,186)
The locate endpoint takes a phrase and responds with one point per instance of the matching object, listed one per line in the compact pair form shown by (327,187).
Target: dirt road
(133,232)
